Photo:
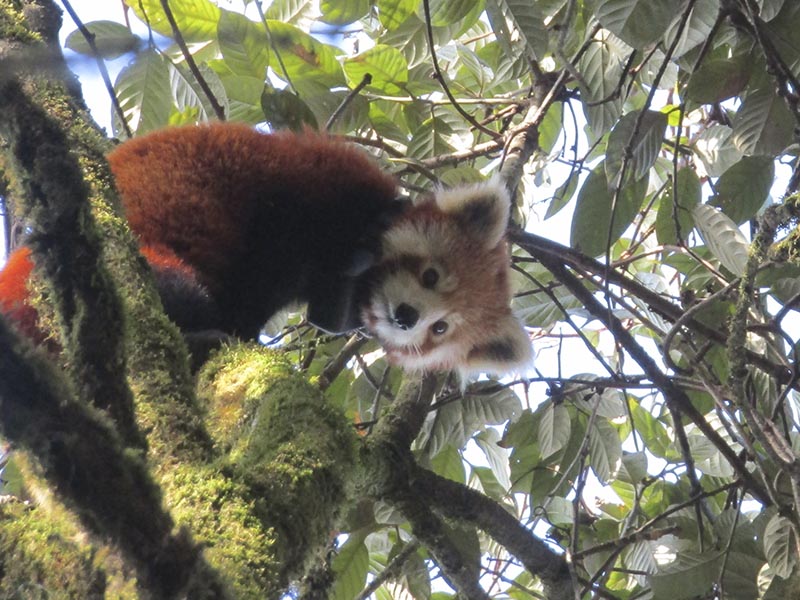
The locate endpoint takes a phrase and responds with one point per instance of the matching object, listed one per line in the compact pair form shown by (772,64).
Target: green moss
(235,542)
(38,558)
(291,449)
(12,23)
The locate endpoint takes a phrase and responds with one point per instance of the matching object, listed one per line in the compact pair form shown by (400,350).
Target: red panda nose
(406,316)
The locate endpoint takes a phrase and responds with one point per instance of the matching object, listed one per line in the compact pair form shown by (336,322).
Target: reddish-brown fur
(14,294)
(237,224)
(261,218)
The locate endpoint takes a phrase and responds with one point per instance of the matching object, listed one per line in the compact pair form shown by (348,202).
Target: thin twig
(440,76)
(176,32)
(101,66)
(365,81)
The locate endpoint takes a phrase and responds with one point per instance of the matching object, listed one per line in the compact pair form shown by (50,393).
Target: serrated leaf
(385,65)
(688,193)
(763,124)
(111,39)
(644,147)
(144,93)
(638,22)
(590,224)
(244,44)
(343,12)
(196,19)
(554,429)
(780,546)
(722,237)
(744,188)
(392,13)
(350,565)
(605,450)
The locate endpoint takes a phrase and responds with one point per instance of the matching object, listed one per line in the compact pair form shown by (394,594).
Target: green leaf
(562,195)
(305,60)
(634,467)
(385,65)
(111,39)
(537,309)
(392,13)
(715,148)
(554,429)
(653,433)
(449,464)
(489,483)
(590,223)
(489,443)
(244,44)
(188,96)
(743,189)
(605,450)
(601,68)
(291,11)
(644,147)
(697,29)
(638,22)
(196,19)
(486,403)
(719,77)
(350,565)
(688,193)
(530,26)
(144,92)
(343,12)
(285,110)
(763,124)
(691,575)
(447,12)
(722,237)
(780,546)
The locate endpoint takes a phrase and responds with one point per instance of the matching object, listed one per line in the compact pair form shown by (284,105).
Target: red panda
(237,224)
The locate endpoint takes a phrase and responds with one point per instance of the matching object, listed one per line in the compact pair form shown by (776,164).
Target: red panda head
(439,298)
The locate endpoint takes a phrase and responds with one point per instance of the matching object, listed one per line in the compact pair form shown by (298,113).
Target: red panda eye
(439,327)
(429,278)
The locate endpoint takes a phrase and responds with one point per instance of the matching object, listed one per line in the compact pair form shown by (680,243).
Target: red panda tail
(14,295)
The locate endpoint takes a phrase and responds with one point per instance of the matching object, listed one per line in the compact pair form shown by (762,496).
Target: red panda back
(262,218)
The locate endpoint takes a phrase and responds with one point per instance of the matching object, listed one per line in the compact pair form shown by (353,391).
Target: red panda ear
(506,350)
(482,209)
